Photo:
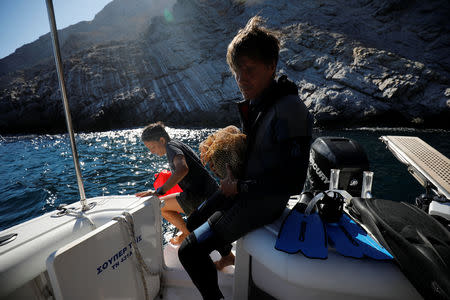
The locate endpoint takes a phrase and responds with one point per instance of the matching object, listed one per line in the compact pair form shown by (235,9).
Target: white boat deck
(286,276)
(178,285)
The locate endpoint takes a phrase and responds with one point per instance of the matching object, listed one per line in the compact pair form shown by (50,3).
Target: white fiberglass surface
(178,285)
(24,258)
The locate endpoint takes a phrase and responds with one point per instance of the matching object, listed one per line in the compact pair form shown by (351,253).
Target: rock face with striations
(358,62)
(118,21)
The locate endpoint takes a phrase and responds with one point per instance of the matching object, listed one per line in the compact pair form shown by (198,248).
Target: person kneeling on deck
(278,129)
(187,171)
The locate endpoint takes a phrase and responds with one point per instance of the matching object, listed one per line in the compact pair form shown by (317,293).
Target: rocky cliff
(118,21)
(358,62)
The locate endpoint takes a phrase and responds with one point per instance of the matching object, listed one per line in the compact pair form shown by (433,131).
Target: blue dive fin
(352,240)
(305,233)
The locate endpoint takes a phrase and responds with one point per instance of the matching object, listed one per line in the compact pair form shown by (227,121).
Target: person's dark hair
(255,42)
(154,131)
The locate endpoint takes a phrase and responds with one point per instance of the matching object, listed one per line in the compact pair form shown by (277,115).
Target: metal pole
(62,85)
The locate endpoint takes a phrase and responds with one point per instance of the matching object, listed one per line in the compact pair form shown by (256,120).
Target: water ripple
(37,171)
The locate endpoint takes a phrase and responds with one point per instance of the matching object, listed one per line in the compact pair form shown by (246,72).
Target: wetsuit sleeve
(295,152)
(291,132)
(172,151)
(290,175)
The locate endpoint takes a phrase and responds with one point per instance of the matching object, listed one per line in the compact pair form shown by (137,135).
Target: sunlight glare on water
(38,175)
(37,172)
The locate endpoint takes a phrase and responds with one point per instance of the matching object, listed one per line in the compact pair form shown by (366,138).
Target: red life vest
(161,178)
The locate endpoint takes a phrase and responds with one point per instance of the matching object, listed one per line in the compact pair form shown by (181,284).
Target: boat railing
(62,85)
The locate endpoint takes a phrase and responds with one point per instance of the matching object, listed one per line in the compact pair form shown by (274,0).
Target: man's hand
(228,185)
(145,194)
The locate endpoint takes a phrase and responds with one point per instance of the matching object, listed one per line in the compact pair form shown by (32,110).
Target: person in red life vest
(187,171)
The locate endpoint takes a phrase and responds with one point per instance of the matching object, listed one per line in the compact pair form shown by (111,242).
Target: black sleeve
(289,176)
(172,151)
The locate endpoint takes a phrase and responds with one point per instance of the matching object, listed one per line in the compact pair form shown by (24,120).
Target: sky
(24,21)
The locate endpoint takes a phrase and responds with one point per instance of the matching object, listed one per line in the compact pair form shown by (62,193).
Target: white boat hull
(71,256)
(66,257)
(262,269)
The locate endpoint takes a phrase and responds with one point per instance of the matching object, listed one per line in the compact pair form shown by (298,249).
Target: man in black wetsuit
(278,128)
(187,171)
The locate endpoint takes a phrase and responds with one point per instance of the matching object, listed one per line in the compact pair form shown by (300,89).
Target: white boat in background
(112,248)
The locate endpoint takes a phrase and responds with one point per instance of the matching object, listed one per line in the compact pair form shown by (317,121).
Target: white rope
(127,219)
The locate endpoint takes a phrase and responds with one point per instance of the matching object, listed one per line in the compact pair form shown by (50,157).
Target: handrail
(62,85)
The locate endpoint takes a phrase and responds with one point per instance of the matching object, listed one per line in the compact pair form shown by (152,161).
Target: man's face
(156,147)
(253,76)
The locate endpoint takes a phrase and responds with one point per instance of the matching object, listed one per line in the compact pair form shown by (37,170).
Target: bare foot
(225,261)
(177,240)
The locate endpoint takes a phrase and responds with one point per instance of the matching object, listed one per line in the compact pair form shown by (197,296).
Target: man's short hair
(255,42)
(154,131)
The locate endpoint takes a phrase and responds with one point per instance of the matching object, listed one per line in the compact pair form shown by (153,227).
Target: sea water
(37,173)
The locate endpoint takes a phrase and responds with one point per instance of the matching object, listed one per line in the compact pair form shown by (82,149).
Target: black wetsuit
(198,184)
(278,128)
